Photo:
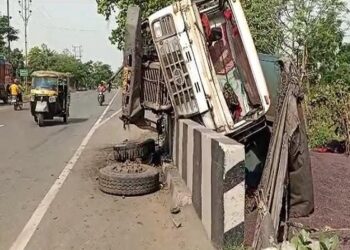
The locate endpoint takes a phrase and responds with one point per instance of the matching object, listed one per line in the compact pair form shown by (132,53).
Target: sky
(63,23)
(60,24)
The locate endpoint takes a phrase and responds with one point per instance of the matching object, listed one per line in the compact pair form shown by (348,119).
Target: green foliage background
(87,74)
(310,32)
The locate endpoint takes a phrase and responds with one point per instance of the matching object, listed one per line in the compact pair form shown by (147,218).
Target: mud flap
(300,175)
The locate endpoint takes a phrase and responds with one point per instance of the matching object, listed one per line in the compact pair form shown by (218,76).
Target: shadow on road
(77,120)
(56,122)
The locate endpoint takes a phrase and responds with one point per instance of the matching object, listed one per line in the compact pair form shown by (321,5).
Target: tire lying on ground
(128,179)
(132,150)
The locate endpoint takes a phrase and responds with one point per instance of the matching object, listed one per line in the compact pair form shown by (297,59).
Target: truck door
(132,63)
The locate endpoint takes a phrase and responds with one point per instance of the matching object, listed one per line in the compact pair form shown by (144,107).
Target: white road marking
(1,125)
(34,221)
(109,117)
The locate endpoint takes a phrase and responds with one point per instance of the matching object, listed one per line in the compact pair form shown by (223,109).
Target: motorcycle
(17,105)
(101,98)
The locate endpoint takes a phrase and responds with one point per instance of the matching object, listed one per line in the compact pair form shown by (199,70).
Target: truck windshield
(44,82)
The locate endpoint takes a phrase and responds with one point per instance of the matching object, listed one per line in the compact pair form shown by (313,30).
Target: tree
(40,58)
(307,31)
(6,32)
(101,72)
(84,74)
(17,60)
(107,8)
(263,20)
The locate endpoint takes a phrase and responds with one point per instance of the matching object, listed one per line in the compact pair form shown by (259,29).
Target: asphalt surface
(31,158)
(81,216)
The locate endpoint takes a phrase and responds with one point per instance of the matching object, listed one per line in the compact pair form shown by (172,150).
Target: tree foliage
(87,74)
(16,58)
(309,32)
(109,7)
(6,32)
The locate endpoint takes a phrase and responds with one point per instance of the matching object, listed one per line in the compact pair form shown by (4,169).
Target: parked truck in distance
(5,78)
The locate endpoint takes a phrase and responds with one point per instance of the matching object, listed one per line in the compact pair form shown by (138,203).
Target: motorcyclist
(101,87)
(16,90)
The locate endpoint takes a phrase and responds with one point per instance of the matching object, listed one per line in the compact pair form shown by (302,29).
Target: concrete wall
(212,166)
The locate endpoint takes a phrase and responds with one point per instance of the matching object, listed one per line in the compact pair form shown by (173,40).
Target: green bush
(328,105)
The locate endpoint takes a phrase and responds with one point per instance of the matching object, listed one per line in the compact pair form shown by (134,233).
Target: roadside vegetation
(86,74)
(310,33)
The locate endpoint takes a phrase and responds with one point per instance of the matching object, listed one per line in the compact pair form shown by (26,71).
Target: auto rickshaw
(50,96)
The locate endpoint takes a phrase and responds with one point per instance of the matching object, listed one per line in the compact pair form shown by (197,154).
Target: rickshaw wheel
(65,118)
(40,118)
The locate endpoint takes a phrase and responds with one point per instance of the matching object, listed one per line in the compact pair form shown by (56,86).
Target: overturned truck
(200,58)
(197,60)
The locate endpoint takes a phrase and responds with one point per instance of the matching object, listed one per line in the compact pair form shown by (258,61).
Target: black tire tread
(116,183)
(133,150)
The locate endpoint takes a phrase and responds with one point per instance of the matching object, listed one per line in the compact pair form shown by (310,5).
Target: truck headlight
(52,99)
(32,98)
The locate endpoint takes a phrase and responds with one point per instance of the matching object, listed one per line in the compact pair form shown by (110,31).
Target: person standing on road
(109,86)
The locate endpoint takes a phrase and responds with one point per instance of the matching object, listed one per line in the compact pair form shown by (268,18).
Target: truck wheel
(40,118)
(128,179)
(132,150)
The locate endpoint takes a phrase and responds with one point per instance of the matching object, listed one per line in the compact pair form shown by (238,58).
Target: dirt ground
(331,177)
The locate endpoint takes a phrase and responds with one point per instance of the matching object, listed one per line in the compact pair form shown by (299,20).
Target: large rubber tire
(132,150)
(128,184)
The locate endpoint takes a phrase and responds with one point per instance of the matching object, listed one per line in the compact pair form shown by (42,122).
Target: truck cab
(195,60)
(210,64)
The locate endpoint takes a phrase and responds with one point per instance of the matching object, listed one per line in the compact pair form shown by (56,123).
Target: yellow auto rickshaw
(50,96)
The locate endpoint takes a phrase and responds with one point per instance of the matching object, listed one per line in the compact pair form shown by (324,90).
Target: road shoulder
(82,217)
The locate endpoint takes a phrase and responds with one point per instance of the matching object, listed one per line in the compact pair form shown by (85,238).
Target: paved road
(80,216)
(31,158)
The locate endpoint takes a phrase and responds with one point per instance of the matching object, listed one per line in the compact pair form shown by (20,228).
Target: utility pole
(8,20)
(77,50)
(25,13)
